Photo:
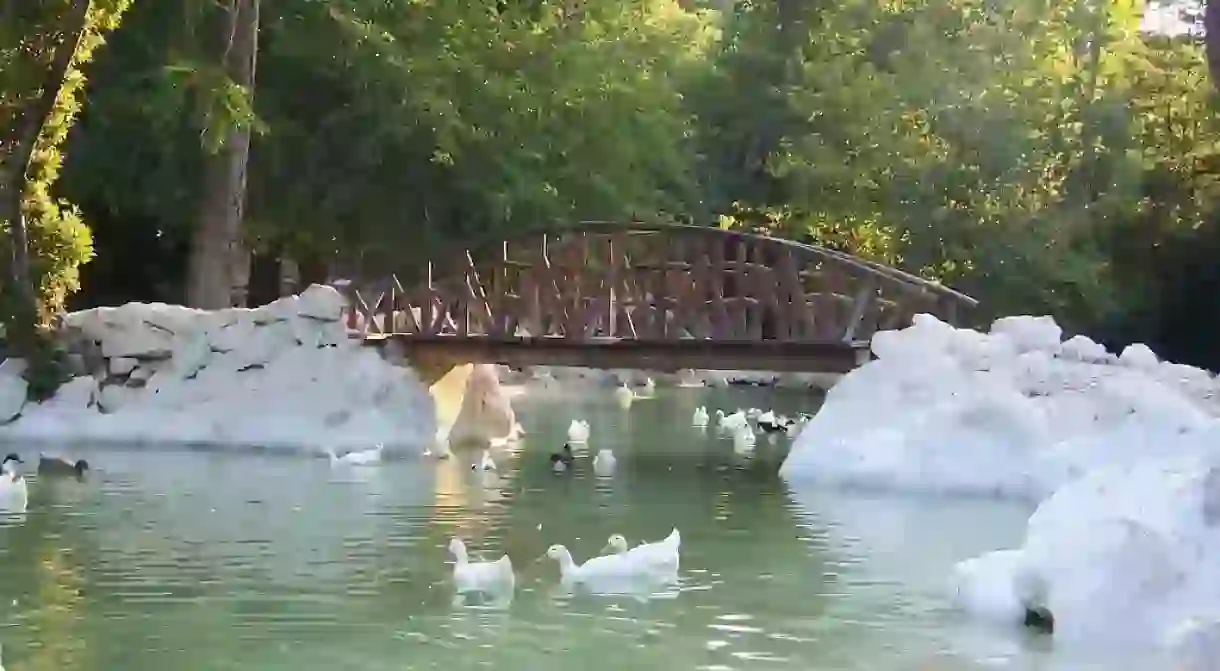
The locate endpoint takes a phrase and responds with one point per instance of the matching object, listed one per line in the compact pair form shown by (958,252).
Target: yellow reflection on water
(59,595)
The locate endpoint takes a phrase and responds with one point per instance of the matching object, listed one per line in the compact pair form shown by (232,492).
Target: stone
(76,365)
(130,336)
(79,392)
(122,365)
(1138,356)
(113,397)
(1082,348)
(172,319)
(281,309)
(13,388)
(333,334)
(232,336)
(142,373)
(190,354)
(94,323)
(265,344)
(307,331)
(321,302)
(486,413)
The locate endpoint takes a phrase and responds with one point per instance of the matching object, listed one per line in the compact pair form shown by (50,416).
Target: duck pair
(645,561)
(14,492)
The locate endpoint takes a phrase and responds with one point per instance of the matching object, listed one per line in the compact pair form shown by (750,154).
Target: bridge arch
(647,283)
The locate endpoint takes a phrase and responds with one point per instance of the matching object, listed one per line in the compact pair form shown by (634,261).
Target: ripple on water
(259,562)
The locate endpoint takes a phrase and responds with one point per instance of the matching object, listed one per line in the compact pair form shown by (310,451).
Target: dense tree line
(1045,156)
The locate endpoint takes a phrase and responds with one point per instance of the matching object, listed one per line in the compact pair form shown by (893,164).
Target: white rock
(13,367)
(137,342)
(1030,333)
(78,393)
(114,397)
(1138,356)
(232,336)
(13,388)
(1082,348)
(172,319)
(93,323)
(122,365)
(267,389)
(190,354)
(321,302)
(333,334)
(278,310)
(265,343)
(486,414)
(308,332)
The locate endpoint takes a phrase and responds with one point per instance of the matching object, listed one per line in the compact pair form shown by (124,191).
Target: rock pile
(282,375)
(141,345)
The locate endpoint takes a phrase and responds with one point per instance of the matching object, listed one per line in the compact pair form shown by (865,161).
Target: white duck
(578,431)
(513,436)
(765,419)
(607,568)
(699,419)
(356,457)
(14,495)
(624,396)
(486,464)
(487,577)
(743,439)
(650,387)
(734,421)
(664,554)
(604,463)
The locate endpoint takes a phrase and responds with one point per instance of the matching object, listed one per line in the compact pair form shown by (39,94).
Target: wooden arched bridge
(605,295)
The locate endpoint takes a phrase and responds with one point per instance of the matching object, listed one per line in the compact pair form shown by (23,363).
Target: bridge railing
(642,282)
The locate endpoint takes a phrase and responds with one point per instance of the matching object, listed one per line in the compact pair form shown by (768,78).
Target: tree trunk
(1211,26)
(14,168)
(220,263)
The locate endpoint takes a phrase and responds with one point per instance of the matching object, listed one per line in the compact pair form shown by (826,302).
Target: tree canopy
(1044,156)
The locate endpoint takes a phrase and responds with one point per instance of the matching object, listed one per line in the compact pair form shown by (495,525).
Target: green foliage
(58,238)
(1042,155)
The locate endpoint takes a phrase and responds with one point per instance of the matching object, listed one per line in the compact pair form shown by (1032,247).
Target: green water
(208,561)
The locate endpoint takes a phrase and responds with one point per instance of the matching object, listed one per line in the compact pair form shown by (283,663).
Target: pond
(204,561)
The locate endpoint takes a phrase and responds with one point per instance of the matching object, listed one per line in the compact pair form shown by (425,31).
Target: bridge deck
(660,355)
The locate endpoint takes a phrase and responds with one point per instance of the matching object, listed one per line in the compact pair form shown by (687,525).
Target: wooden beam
(659,355)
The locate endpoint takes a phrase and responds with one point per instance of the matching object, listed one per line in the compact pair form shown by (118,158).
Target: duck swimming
(604,463)
(58,466)
(578,431)
(487,463)
(624,396)
(561,461)
(699,419)
(486,577)
(731,422)
(769,422)
(662,554)
(14,495)
(356,457)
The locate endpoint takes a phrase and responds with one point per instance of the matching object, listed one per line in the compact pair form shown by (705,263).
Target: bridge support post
(445,377)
